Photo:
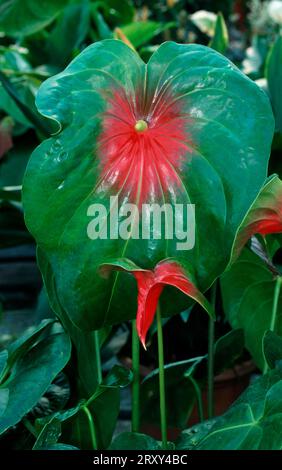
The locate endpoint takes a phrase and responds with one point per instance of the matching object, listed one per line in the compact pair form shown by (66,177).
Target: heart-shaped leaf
(33,371)
(253,422)
(157,133)
(248,292)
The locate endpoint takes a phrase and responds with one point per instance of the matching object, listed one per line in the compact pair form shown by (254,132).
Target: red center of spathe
(142,145)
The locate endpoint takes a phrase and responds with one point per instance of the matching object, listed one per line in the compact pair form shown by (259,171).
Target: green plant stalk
(30,427)
(276,294)
(211,356)
(135,422)
(98,357)
(91,427)
(162,380)
(199,399)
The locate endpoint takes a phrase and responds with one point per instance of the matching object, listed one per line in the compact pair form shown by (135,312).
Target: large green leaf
(248,296)
(33,372)
(252,423)
(63,175)
(83,341)
(274,77)
(24,17)
(25,101)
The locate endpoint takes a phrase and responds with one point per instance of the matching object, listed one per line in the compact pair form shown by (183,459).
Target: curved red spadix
(150,285)
(139,160)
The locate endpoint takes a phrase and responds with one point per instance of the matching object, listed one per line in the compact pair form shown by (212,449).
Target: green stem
(98,357)
(199,399)
(91,427)
(211,356)
(136,379)
(30,427)
(274,311)
(162,380)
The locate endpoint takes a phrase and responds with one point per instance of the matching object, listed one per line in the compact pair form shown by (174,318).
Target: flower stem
(91,427)
(136,379)
(199,399)
(162,380)
(211,356)
(98,357)
(276,294)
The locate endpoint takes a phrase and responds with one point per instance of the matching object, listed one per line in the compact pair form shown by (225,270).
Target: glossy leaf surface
(248,296)
(32,370)
(253,422)
(195,151)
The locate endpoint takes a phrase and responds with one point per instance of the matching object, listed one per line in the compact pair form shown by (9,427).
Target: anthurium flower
(151,284)
(264,217)
(186,128)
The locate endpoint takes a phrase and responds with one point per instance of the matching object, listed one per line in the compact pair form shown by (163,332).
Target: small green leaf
(49,434)
(141,32)
(134,441)
(272,348)
(27,107)
(118,377)
(228,348)
(220,39)
(19,347)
